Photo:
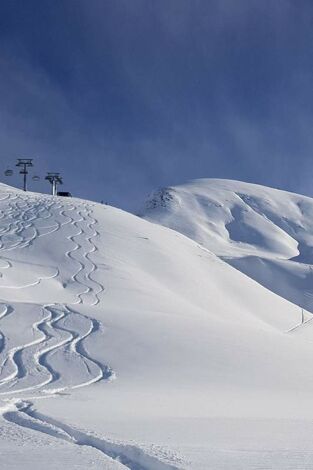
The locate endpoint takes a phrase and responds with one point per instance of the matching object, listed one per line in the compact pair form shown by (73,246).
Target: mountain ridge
(258,230)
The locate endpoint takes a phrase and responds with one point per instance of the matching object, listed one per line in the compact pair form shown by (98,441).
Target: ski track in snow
(29,367)
(26,367)
(91,289)
(129,455)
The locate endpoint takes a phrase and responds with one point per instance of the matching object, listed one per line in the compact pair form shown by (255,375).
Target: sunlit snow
(177,339)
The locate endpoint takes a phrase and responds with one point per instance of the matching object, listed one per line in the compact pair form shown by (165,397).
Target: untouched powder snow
(125,344)
(265,233)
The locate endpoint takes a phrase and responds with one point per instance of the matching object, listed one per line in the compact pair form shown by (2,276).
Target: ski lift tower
(24,163)
(54,179)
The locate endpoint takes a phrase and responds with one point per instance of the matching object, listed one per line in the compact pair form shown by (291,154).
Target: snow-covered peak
(233,218)
(267,233)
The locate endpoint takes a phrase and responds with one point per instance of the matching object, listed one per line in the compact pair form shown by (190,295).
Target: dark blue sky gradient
(126,96)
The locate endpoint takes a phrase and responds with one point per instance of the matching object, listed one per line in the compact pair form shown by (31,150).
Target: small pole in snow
(24,163)
(302,316)
(54,179)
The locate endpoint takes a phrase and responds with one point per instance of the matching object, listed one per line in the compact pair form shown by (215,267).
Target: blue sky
(123,97)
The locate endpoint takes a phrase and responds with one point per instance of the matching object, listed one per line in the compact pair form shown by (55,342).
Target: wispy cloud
(144,94)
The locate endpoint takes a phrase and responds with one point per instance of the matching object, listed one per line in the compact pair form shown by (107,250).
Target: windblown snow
(181,339)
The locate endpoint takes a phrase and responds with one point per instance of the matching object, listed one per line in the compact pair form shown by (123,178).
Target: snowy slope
(264,232)
(125,344)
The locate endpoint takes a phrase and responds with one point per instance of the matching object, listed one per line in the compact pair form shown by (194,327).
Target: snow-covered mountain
(173,341)
(264,232)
